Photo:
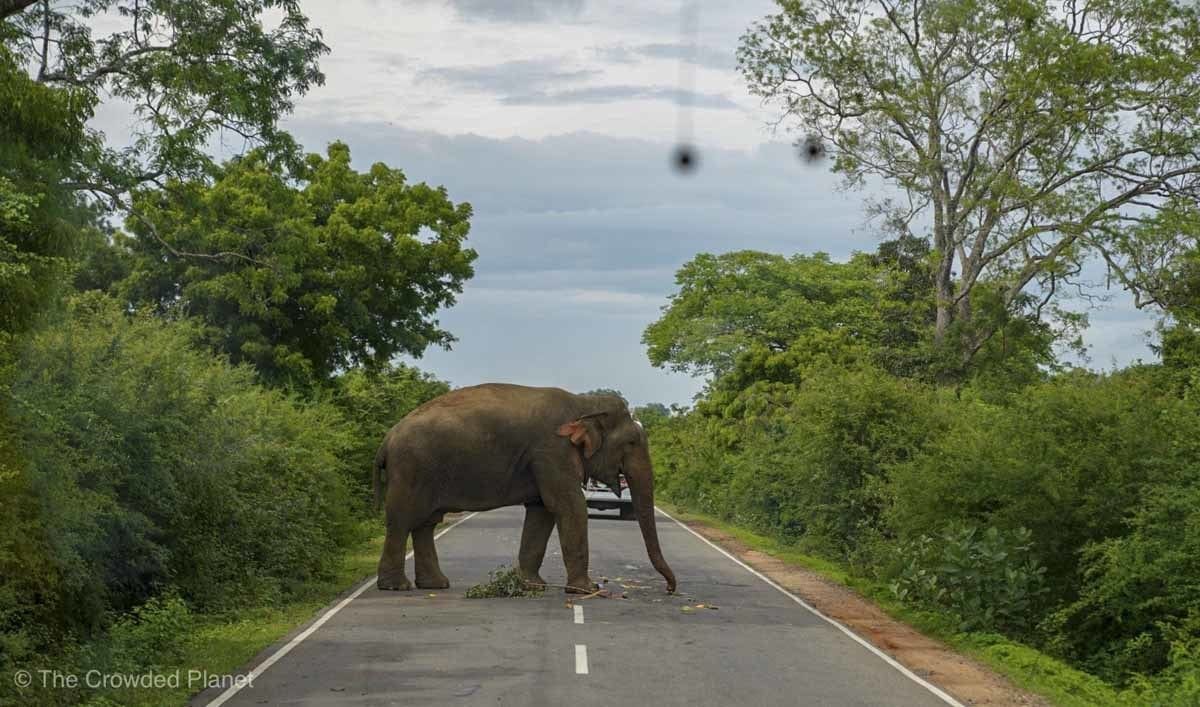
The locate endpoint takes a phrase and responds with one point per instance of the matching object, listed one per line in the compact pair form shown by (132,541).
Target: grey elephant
(494,445)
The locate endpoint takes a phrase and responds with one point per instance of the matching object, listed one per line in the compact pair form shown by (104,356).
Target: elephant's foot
(531,578)
(438,581)
(393,583)
(582,586)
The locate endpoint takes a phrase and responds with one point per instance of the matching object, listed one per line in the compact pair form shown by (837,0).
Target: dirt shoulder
(967,680)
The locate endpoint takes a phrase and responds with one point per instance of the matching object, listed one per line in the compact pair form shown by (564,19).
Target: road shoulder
(965,679)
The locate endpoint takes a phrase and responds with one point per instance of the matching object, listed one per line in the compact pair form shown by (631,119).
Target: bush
(1067,459)
(149,637)
(1140,591)
(1065,514)
(155,464)
(803,463)
(988,579)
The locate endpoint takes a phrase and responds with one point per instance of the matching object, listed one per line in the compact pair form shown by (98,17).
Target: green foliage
(1027,135)
(1064,515)
(651,414)
(606,391)
(41,132)
(146,638)
(154,464)
(989,579)
(1139,606)
(807,463)
(1067,459)
(31,615)
(188,68)
(327,267)
(504,582)
(766,311)
(748,317)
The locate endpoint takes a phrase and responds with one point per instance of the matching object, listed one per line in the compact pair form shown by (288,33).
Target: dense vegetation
(1054,505)
(908,413)
(194,357)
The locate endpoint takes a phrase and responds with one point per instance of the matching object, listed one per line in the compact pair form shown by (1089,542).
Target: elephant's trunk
(640,475)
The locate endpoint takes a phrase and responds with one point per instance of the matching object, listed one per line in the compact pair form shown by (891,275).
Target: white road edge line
(578,614)
(581,659)
(857,639)
(262,667)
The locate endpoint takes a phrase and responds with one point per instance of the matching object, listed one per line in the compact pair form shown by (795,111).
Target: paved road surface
(760,647)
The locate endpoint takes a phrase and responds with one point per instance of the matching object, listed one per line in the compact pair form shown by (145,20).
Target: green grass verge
(1025,667)
(221,645)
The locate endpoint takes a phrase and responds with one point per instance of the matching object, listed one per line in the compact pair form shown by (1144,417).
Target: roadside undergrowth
(1026,667)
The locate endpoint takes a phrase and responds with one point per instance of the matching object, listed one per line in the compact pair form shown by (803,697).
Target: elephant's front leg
(562,495)
(539,523)
(572,535)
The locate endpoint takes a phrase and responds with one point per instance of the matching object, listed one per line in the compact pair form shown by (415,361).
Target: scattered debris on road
(504,582)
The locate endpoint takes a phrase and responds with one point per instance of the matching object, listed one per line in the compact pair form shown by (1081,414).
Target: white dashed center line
(578,614)
(581,659)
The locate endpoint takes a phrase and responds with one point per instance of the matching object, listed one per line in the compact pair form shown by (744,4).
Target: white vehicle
(602,497)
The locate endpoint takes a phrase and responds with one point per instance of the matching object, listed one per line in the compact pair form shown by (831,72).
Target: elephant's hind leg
(539,524)
(391,562)
(425,559)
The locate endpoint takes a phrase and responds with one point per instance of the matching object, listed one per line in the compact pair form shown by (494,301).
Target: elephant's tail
(379,475)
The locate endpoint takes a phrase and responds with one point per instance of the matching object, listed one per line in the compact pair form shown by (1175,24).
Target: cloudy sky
(555,119)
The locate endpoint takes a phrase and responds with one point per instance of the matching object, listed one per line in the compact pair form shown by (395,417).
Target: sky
(555,120)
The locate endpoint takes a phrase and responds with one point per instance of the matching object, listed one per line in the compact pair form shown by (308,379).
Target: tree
(333,268)
(745,305)
(1030,138)
(606,391)
(652,414)
(190,70)
(41,131)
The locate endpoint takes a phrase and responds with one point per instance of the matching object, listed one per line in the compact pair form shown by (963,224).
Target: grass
(221,645)
(1025,667)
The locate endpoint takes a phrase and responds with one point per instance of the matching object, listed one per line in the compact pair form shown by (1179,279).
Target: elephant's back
(483,414)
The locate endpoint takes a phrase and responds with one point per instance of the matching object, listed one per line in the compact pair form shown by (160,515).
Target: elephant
(494,445)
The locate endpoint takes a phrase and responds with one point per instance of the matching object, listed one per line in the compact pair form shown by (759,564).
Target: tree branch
(8,8)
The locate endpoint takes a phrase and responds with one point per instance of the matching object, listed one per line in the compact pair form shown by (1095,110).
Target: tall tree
(41,131)
(188,69)
(333,267)
(784,312)
(1028,135)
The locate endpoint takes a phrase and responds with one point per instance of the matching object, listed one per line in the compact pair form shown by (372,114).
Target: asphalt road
(759,647)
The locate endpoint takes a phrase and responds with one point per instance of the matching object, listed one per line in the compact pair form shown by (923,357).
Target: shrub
(155,464)
(1140,591)
(1067,459)
(989,578)
(802,463)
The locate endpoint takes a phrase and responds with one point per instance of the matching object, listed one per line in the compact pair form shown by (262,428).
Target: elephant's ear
(584,435)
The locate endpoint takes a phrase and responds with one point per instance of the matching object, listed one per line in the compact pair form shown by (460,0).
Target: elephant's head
(612,444)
